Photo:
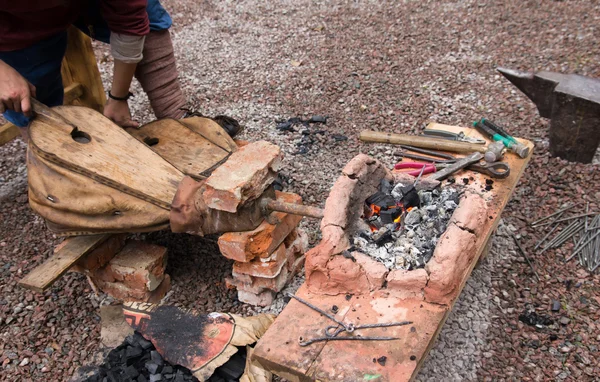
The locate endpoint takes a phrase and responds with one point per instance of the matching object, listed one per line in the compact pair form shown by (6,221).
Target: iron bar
(526,258)
(550,232)
(552,214)
(578,250)
(567,219)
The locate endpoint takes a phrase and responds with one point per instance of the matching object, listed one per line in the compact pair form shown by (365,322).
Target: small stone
(155,377)
(565,349)
(565,321)
(24,362)
(555,305)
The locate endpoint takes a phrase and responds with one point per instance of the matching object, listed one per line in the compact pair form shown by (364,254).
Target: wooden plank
(188,151)
(503,190)
(352,361)
(111,156)
(79,66)
(212,131)
(8,132)
(43,276)
(72,92)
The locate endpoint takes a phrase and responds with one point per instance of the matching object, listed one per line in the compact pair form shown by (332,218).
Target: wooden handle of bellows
(423,142)
(41,109)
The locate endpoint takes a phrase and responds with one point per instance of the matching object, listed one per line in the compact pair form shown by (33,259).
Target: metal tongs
(332,332)
(461,137)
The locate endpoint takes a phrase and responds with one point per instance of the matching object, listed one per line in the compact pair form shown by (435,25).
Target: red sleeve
(126,16)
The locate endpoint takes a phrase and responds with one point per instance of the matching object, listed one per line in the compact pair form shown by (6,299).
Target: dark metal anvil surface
(572,103)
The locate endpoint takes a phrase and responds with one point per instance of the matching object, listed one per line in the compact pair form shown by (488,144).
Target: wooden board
(212,131)
(189,152)
(352,361)
(9,131)
(79,66)
(43,276)
(112,156)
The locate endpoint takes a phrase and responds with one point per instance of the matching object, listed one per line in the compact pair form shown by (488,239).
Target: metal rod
(576,252)
(294,209)
(458,165)
(552,214)
(564,234)
(567,237)
(587,209)
(302,342)
(550,232)
(567,219)
(317,309)
(526,258)
(584,237)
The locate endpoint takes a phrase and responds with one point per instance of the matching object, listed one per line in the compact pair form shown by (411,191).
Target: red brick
(259,268)
(244,176)
(265,239)
(100,256)
(138,266)
(296,246)
(262,299)
(260,284)
(122,292)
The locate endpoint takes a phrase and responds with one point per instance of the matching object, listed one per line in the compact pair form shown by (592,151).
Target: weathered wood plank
(211,130)
(109,154)
(79,66)
(9,131)
(352,361)
(43,276)
(189,152)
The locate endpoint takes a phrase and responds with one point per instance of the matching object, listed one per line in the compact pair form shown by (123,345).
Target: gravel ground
(385,66)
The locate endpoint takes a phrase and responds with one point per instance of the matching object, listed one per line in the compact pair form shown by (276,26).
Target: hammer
(493,153)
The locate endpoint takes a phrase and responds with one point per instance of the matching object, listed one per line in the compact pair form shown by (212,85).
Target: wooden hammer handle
(423,142)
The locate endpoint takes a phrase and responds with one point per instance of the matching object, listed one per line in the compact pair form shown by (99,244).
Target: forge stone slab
(278,349)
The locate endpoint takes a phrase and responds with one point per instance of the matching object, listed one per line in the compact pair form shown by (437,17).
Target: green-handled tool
(498,134)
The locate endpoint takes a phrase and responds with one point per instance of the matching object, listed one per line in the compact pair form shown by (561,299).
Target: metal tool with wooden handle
(420,141)
(458,165)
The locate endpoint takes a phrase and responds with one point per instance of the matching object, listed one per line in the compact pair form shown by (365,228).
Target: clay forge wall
(331,269)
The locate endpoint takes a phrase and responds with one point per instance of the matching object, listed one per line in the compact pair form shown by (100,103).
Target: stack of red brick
(128,270)
(267,257)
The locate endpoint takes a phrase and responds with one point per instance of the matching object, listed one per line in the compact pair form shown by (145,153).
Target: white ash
(411,246)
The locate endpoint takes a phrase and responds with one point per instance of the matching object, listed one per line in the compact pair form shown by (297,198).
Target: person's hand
(118,112)
(15,91)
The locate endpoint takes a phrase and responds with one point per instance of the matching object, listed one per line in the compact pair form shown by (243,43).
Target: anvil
(572,103)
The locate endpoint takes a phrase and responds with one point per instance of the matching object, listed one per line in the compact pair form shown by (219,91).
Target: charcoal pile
(136,360)
(402,226)
(309,132)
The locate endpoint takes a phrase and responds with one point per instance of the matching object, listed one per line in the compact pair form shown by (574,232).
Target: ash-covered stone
(411,246)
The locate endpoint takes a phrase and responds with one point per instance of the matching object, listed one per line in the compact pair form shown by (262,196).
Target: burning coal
(402,226)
